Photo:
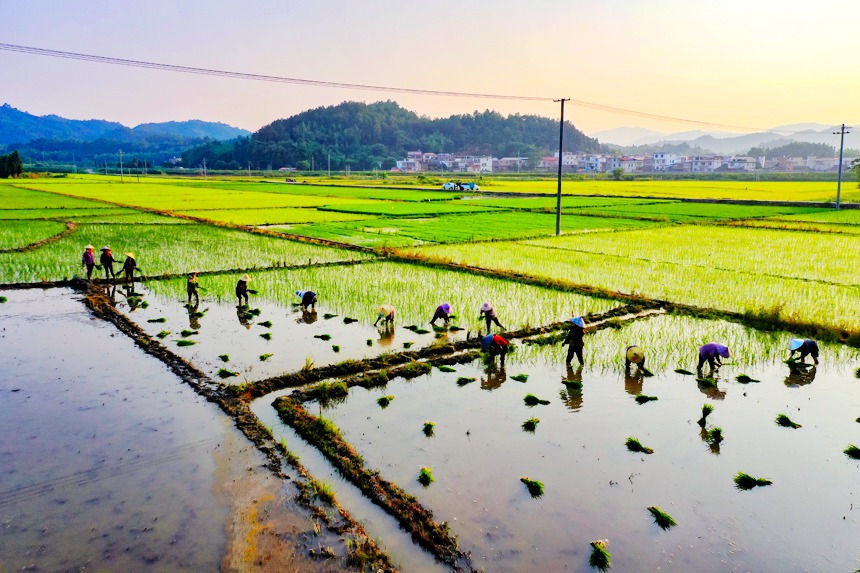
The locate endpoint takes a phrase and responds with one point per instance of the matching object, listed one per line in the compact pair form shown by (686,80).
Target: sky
(751,64)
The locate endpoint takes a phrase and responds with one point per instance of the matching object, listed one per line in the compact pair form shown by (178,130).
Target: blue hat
(486,342)
(795,344)
(577,320)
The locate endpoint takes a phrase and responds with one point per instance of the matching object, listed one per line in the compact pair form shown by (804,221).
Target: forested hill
(367,136)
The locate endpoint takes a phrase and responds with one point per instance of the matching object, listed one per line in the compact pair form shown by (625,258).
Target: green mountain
(368,136)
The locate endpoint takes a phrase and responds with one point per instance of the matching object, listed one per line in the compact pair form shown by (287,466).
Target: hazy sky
(756,63)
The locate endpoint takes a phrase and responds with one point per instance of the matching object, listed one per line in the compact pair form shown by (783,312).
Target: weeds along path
(71,227)
(339,522)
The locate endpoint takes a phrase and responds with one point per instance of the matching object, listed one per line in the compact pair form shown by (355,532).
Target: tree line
(11,165)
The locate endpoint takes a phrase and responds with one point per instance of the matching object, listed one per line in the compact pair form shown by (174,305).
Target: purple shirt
(712,350)
(88,258)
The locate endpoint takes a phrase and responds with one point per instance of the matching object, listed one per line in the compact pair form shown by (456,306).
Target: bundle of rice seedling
(684,372)
(706,410)
(661,518)
(746,481)
(323,336)
(444,368)
(786,422)
(535,487)
(163,334)
(224,357)
(185,343)
(744,379)
(532,400)
(428,428)
(520,377)
(384,401)
(600,557)
(266,335)
(264,357)
(635,446)
(530,424)
(462,380)
(425,477)
(643,399)
(224,373)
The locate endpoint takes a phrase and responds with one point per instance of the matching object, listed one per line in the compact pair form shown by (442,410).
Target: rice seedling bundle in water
(643,399)
(706,411)
(635,446)
(746,481)
(532,400)
(446,369)
(786,422)
(163,334)
(600,557)
(425,477)
(744,379)
(534,487)
(384,401)
(224,357)
(224,373)
(428,428)
(463,380)
(661,518)
(520,377)
(531,424)
(186,342)
(157,320)
(264,357)
(852,452)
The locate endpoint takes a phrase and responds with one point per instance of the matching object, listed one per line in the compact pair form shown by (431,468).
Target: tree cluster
(11,165)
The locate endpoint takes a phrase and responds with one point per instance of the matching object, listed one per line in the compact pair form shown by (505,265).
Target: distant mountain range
(20,127)
(725,142)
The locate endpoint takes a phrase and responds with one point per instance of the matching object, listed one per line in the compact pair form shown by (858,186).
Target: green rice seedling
(411,327)
(264,357)
(532,400)
(384,401)
(706,410)
(163,334)
(425,476)
(421,331)
(224,357)
(329,315)
(407,344)
(186,342)
(520,377)
(600,557)
(744,379)
(3,299)
(335,347)
(462,380)
(224,373)
(439,328)
(323,336)
(643,399)
(348,320)
(786,422)
(661,518)
(454,328)
(534,487)
(572,384)
(187,333)
(266,335)
(635,446)
(266,324)
(161,319)
(852,452)
(857,420)
(530,424)
(144,304)
(746,481)
(684,372)
(715,435)
(856,372)
(369,342)
(329,392)
(323,491)
(444,368)
(254,312)
(428,429)
(707,382)
(198,313)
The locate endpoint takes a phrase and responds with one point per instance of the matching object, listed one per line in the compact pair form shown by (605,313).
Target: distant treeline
(366,137)
(11,165)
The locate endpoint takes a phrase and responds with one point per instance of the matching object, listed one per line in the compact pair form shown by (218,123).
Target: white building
(664,161)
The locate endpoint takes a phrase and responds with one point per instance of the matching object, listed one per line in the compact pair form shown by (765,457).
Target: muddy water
(809,519)
(109,463)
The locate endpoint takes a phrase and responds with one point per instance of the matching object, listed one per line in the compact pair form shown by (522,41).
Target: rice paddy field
(403,446)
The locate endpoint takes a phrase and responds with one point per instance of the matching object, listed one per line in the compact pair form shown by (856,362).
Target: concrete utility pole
(121,180)
(249,170)
(560,144)
(204,168)
(841,133)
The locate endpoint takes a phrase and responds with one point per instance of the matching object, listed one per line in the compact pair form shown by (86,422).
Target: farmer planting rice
(242,289)
(308,298)
(574,340)
(488,313)
(106,259)
(88,261)
(386,314)
(805,348)
(634,355)
(191,285)
(495,345)
(712,352)
(128,267)
(443,312)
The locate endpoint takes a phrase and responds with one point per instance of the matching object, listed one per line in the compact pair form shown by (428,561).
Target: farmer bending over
(191,285)
(308,298)
(804,347)
(488,313)
(443,311)
(88,261)
(712,352)
(386,314)
(242,289)
(495,345)
(107,261)
(634,355)
(128,267)
(574,340)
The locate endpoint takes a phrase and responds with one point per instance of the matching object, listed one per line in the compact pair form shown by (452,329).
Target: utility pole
(329,165)
(560,144)
(249,171)
(120,167)
(842,131)
(204,168)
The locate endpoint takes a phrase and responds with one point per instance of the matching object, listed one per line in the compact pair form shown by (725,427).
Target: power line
(344,85)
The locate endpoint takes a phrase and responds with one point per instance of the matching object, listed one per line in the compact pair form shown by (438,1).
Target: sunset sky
(758,63)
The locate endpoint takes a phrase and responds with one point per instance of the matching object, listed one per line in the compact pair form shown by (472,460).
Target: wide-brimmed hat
(385,310)
(486,307)
(89,248)
(300,293)
(723,350)
(105,248)
(130,255)
(486,342)
(635,354)
(446,307)
(246,278)
(795,344)
(578,321)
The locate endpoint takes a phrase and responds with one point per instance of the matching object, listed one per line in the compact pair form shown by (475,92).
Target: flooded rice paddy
(109,463)
(594,488)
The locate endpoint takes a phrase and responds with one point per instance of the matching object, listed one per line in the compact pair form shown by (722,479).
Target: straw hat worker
(805,348)
(634,355)
(242,288)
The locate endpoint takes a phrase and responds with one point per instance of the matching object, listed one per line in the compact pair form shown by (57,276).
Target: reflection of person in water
(193,316)
(110,293)
(495,377)
(633,381)
(572,397)
(711,390)
(386,335)
(308,316)
(800,376)
(244,317)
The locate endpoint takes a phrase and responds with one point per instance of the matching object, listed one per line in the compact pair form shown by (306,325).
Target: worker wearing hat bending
(443,312)
(385,314)
(128,267)
(242,289)
(495,345)
(106,259)
(88,261)
(191,285)
(634,355)
(805,348)
(308,298)
(488,313)
(712,352)
(574,340)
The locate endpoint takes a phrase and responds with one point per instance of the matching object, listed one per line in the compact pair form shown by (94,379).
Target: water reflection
(633,381)
(193,316)
(800,376)
(386,334)
(495,378)
(572,394)
(308,317)
(708,387)
(243,316)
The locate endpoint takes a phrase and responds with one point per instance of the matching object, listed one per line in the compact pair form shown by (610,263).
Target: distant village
(416,162)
